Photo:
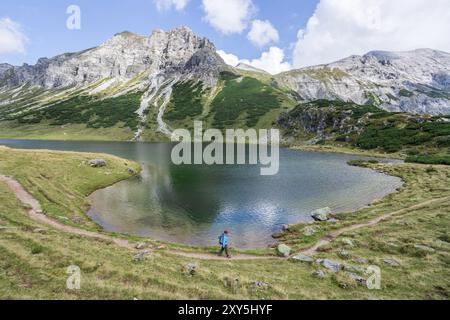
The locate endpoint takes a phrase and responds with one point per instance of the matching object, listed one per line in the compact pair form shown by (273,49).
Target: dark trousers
(225,248)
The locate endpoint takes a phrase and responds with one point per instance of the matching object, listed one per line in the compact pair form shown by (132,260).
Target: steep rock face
(323,122)
(415,82)
(123,57)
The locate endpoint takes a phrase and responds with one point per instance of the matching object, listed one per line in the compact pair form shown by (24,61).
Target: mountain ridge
(171,78)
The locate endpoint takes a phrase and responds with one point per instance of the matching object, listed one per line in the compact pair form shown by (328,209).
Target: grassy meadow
(34,257)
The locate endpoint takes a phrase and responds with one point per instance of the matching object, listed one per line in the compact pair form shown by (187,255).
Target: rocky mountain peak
(123,57)
(415,81)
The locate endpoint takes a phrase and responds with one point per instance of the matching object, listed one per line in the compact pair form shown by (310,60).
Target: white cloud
(341,28)
(263,33)
(164,5)
(228,16)
(12,38)
(271,61)
(229,58)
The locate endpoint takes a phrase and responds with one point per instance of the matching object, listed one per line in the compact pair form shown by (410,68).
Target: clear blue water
(194,204)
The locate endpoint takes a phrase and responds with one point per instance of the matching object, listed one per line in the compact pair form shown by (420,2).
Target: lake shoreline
(200,245)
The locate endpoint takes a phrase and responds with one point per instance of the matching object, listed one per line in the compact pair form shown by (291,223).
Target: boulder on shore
(330,265)
(321,214)
(97,163)
(303,258)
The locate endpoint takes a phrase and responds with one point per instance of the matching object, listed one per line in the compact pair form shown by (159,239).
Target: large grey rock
(97,163)
(283,250)
(358,279)
(321,214)
(355,269)
(302,258)
(139,257)
(330,265)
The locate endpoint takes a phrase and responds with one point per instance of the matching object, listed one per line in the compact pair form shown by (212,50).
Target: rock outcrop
(416,82)
(123,57)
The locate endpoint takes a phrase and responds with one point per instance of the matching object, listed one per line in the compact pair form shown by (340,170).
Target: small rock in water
(321,214)
(318,274)
(303,258)
(283,250)
(190,269)
(330,265)
(97,163)
(424,248)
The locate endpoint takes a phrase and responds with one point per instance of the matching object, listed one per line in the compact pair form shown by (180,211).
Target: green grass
(47,174)
(81,109)
(430,159)
(69,132)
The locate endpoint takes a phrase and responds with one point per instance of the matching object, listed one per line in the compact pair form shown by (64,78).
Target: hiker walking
(223,240)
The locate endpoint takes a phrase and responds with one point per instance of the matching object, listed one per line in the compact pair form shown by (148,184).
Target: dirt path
(335,234)
(35,213)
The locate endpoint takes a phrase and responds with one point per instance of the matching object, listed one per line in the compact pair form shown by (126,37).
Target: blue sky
(44,24)
(275,35)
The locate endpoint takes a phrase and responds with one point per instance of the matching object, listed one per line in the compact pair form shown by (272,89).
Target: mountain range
(142,87)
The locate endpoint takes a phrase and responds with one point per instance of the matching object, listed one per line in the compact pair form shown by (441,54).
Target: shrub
(186,101)
(36,249)
(430,159)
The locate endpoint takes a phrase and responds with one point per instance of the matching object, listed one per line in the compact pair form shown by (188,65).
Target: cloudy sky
(275,35)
